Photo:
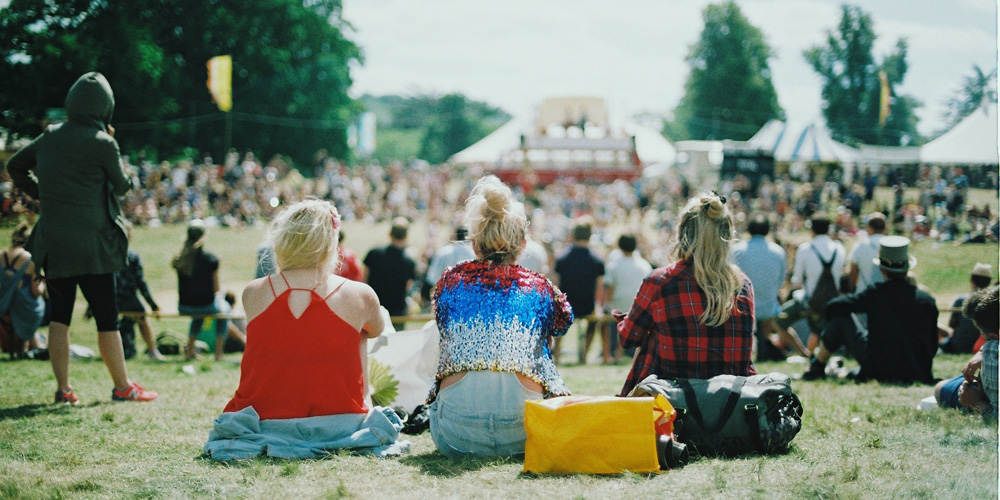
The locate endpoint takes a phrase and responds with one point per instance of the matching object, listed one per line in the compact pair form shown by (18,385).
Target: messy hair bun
(713,206)
(496,221)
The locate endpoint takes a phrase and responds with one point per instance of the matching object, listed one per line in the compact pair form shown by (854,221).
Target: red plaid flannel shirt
(663,324)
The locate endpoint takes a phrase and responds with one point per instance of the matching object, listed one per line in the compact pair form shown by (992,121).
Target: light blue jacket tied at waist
(242,434)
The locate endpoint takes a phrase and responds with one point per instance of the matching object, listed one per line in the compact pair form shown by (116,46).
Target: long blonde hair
(496,222)
(305,235)
(704,236)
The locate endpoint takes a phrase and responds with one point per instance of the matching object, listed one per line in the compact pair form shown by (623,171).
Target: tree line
(291,75)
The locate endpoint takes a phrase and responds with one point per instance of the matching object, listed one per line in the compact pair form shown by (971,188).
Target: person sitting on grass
(969,391)
(496,321)
(695,317)
(303,381)
(899,341)
(21,289)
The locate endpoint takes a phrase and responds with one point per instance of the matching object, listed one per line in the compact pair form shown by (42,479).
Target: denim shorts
(949,393)
(481,415)
(218,306)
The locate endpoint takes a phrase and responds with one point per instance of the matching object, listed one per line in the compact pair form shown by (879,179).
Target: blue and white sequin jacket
(496,317)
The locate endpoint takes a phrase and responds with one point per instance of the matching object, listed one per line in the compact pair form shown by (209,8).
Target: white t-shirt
(625,274)
(861,256)
(808,266)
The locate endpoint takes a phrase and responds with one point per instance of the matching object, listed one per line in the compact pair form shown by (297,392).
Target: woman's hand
(618,315)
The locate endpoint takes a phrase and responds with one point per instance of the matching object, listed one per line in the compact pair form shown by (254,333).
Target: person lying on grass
(975,390)
(303,380)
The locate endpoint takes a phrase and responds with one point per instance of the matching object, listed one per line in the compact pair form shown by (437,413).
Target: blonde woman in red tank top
(307,332)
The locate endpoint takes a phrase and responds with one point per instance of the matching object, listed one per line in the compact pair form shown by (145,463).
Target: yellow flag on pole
(220,81)
(885,97)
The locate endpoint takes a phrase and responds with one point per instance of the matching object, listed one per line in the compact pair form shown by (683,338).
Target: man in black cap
(900,341)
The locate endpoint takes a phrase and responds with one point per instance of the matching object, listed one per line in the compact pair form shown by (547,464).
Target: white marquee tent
(801,143)
(973,141)
(505,142)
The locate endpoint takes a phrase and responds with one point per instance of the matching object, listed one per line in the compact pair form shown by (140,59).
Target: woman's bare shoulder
(256,297)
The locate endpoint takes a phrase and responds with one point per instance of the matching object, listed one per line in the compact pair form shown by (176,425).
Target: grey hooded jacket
(75,171)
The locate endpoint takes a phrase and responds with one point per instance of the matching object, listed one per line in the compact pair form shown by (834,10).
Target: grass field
(857,441)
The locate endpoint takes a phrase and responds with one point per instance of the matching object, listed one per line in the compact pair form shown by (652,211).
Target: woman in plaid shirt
(693,318)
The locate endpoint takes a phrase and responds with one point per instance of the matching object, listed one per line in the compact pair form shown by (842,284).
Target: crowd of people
(535,261)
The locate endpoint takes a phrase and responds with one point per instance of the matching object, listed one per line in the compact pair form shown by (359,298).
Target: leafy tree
(428,126)
(729,94)
(290,70)
(975,88)
(852,88)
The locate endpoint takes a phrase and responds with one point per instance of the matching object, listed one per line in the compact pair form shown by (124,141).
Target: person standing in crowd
(129,282)
(809,263)
(198,289)
(695,317)
(621,283)
(75,171)
(964,333)
(21,289)
(765,265)
(390,272)
(976,388)
(581,276)
(496,321)
(349,265)
(862,272)
(306,355)
(453,253)
(900,341)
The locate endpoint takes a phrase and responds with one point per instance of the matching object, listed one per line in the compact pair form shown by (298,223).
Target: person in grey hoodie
(75,171)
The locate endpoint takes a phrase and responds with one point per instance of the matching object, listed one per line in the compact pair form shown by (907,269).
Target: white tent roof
(973,141)
(650,145)
(795,142)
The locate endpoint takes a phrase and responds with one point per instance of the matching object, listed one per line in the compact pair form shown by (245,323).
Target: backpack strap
(692,402)
(826,264)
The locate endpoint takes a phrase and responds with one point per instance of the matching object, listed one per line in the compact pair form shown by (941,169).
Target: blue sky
(514,53)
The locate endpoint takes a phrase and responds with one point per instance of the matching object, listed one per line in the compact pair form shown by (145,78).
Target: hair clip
(334,217)
(721,198)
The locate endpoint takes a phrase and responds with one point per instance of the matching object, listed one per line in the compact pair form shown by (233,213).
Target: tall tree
(728,94)
(290,69)
(975,88)
(853,89)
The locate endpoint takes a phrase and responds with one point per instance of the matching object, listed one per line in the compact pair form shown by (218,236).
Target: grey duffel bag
(729,414)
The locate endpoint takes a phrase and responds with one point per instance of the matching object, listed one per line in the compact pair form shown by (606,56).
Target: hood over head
(90,100)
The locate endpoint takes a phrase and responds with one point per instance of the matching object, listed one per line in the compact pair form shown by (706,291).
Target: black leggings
(99,290)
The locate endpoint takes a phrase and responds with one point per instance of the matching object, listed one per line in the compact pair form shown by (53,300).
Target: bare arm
(375,323)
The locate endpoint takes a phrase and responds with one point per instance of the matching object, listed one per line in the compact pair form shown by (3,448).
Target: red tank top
(300,367)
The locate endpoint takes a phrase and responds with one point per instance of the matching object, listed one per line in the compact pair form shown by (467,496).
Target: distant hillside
(429,127)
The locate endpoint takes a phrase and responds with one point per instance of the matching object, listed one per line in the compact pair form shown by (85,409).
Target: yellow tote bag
(594,434)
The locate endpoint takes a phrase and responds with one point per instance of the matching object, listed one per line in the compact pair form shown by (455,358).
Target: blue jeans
(481,415)
(220,306)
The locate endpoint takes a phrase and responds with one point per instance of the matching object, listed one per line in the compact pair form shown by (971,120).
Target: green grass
(857,441)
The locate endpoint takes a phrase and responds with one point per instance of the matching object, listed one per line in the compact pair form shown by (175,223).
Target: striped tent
(793,143)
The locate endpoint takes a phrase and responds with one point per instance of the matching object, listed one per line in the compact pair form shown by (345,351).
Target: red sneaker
(134,392)
(68,397)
